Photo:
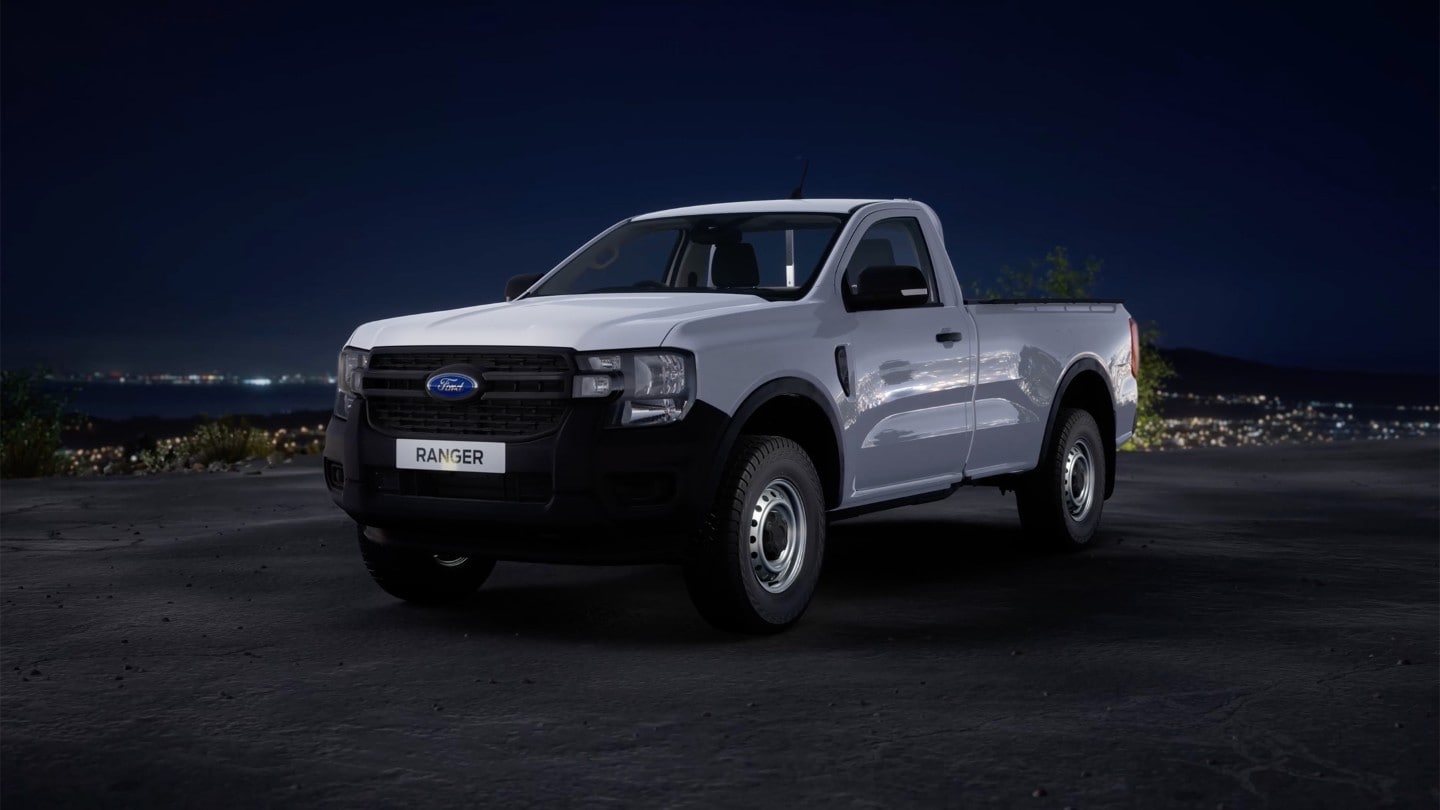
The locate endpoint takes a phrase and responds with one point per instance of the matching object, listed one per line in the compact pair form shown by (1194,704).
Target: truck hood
(582,322)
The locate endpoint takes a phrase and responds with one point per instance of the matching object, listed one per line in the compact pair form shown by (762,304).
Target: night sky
(235,187)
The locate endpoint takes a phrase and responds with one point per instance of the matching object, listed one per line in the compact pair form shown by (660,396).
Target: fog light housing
(334,474)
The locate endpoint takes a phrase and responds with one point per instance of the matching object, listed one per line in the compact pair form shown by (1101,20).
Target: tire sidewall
(1080,425)
(787,606)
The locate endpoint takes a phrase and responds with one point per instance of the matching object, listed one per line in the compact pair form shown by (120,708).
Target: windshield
(774,256)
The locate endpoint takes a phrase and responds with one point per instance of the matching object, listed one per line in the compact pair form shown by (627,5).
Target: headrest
(872,252)
(734,265)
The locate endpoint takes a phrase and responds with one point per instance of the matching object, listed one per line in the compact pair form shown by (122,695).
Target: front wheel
(1061,500)
(754,566)
(422,577)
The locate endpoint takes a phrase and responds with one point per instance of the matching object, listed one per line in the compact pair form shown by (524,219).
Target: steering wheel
(648,284)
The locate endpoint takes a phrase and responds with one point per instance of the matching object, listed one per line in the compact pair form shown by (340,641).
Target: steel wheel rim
(451,562)
(1077,485)
(777,536)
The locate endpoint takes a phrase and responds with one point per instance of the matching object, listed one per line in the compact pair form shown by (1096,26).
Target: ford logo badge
(452,387)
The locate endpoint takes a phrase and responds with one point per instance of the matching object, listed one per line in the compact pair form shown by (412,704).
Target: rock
(216,466)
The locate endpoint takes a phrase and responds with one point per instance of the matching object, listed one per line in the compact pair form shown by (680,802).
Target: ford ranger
(710,386)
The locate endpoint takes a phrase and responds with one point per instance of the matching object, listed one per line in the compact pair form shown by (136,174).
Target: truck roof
(764,207)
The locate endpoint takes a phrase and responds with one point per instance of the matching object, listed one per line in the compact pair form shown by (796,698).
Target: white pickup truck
(710,386)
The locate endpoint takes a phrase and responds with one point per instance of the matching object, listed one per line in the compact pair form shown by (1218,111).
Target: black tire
(769,486)
(1049,517)
(421,577)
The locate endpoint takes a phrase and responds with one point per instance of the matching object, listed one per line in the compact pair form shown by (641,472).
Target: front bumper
(586,493)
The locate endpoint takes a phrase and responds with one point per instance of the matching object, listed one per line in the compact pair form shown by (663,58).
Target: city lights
(1240,420)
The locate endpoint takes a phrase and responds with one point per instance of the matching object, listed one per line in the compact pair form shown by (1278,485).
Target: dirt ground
(1255,628)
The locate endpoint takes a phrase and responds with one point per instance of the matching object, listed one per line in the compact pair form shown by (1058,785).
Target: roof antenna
(799,192)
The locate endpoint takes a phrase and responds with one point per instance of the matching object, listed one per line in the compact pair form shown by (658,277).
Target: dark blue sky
(199,186)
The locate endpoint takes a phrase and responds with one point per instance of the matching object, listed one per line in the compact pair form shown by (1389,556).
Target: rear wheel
(757,559)
(422,577)
(1061,500)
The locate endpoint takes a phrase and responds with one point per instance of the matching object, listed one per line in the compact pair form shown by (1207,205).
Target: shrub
(223,440)
(227,441)
(1154,371)
(30,423)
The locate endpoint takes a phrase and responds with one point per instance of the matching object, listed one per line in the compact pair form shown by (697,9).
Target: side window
(896,241)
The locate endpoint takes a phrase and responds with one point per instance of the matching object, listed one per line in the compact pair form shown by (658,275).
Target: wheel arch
(798,410)
(1086,385)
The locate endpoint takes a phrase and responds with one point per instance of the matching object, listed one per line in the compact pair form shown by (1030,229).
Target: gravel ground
(1256,628)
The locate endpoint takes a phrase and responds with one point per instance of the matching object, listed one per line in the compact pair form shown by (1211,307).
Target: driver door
(911,415)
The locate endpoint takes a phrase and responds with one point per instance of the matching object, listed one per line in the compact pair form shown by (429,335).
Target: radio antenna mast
(799,192)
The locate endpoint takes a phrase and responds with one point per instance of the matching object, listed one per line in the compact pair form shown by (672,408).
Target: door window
(897,241)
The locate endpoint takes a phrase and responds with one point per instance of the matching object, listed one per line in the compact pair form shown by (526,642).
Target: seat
(869,253)
(734,265)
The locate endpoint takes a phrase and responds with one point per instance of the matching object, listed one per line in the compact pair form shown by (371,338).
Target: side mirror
(519,284)
(889,287)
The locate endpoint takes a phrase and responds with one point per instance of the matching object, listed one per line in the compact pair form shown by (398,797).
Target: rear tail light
(1134,349)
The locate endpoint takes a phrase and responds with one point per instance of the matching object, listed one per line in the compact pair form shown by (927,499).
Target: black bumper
(586,493)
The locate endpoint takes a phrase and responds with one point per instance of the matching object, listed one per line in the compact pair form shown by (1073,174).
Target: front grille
(524,394)
(491,361)
(502,418)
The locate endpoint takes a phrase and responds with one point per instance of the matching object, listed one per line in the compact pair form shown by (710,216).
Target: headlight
(350,369)
(657,388)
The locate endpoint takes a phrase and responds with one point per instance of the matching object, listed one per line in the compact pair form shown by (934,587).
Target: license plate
(477,457)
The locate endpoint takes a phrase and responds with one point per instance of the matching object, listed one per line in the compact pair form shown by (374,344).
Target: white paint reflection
(897,379)
(926,423)
(995,412)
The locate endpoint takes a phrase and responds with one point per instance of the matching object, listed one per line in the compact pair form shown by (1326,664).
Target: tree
(1056,276)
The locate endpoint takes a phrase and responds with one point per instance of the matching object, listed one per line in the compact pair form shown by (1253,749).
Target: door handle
(949,337)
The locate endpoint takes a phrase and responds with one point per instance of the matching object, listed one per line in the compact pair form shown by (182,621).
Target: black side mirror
(519,284)
(889,287)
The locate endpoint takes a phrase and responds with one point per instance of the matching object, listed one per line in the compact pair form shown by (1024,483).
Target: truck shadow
(874,560)
(906,552)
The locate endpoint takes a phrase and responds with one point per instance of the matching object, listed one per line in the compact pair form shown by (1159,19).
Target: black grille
(490,361)
(507,418)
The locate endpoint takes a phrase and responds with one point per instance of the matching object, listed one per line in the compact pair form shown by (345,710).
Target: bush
(1154,371)
(227,441)
(223,440)
(30,423)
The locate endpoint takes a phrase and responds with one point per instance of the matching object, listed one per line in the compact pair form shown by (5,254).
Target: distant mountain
(1205,373)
